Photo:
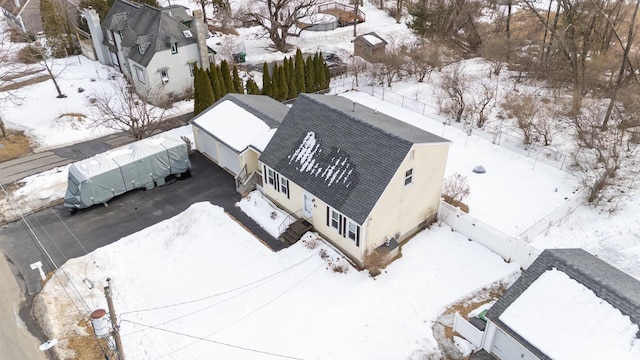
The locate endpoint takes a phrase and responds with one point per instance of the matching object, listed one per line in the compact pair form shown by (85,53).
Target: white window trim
(140,74)
(271,176)
(284,185)
(174,48)
(192,67)
(354,232)
(337,221)
(164,75)
(408,177)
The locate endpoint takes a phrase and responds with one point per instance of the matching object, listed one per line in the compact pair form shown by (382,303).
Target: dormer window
(187,33)
(140,50)
(174,47)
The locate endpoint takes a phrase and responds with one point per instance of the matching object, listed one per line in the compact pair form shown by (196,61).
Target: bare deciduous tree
(278,17)
(523,110)
(481,100)
(120,108)
(599,154)
(454,85)
(357,66)
(424,59)
(456,187)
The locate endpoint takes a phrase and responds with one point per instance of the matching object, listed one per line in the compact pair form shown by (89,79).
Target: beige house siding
(250,159)
(401,209)
(294,204)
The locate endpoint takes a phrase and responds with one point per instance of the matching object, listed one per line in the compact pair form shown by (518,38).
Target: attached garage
(225,131)
(206,144)
(505,347)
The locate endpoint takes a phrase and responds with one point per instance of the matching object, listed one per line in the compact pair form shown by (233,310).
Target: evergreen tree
(266,81)
(226,77)
(275,86)
(327,73)
(291,80)
(283,88)
(220,77)
(321,76)
(203,93)
(252,87)
(238,88)
(299,70)
(213,79)
(310,75)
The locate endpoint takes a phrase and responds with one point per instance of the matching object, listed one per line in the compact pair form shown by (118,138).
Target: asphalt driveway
(66,236)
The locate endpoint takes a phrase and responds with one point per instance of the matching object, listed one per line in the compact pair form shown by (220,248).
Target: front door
(307,205)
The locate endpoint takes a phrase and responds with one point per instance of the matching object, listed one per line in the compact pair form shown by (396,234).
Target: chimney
(201,33)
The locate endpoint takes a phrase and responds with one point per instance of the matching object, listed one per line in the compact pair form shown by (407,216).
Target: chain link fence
(496,135)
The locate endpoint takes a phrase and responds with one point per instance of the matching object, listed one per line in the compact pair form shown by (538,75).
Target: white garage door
(229,159)
(507,348)
(207,145)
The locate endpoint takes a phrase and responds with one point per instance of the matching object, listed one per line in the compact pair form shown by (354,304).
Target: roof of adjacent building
(342,152)
(148,28)
(242,120)
(372,39)
(608,283)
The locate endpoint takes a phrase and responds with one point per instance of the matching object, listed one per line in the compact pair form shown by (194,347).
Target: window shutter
(340,225)
(357,235)
(328,217)
(276,183)
(287,182)
(264,175)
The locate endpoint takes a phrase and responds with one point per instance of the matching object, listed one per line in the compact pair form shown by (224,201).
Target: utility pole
(114,321)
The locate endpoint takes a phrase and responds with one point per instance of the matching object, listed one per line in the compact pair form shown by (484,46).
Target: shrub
(29,55)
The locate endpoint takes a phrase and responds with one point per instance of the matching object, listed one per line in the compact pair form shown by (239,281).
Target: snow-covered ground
(305,310)
(200,284)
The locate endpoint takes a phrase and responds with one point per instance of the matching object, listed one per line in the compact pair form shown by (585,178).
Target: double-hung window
(174,47)
(352,231)
(284,186)
(271,177)
(336,219)
(408,177)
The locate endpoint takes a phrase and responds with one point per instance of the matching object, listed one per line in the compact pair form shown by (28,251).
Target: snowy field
(200,284)
(237,294)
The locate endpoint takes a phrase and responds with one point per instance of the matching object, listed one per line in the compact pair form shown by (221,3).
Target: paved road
(16,342)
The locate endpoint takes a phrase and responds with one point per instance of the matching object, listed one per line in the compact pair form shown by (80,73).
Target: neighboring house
(156,49)
(370,46)
(234,131)
(567,305)
(365,181)
(25,14)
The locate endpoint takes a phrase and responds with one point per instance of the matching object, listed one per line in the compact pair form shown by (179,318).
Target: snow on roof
(233,125)
(262,142)
(307,158)
(566,320)
(372,39)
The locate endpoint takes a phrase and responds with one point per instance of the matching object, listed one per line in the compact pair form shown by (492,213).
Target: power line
(252,312)
(215,342)
(268,277)
(55,274)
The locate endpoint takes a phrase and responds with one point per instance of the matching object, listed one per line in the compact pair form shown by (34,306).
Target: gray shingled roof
(354,154)
(617,288)
(154,25)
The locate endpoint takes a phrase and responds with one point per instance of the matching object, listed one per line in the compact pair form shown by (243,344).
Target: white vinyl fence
(508,247)
(467,330)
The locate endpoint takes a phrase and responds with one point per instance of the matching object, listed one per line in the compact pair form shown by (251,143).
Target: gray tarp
(142,164)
